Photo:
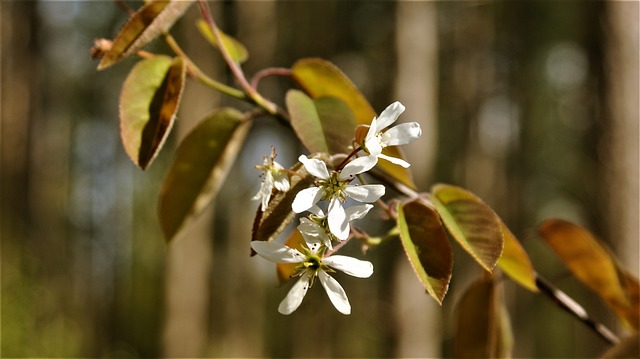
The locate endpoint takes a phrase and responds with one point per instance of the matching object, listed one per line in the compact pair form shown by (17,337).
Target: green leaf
(338,123)
(471,222)
(426,244)
(269,224)
(148,104)
(150,21)
(483,329)
(322,125)
(594,265)
(321,78)
(237,50)
(306,121)
(201,164)
(515,262)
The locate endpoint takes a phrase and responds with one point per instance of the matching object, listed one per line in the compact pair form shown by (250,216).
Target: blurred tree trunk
(190,255)
(621,141)
(417,315)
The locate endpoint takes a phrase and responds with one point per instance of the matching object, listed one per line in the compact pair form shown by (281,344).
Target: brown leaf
(151,20)
(426,244)
(594,265)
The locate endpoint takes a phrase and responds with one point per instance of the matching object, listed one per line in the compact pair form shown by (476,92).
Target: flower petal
(349,265)
(335,292)
(277,252)
(357,212)
(295,296)
(402,134)
(306,199)
(389,115)
(359,165)
(337,218)
(365,193)
(281,181)
(315,167)
(317,211)
(313,233)
(373,129)
(395,160)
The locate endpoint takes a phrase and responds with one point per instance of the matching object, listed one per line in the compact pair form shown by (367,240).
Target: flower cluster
(331,188)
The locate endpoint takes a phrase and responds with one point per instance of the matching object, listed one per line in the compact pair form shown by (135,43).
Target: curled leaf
(151,20)
(236,50)
(148,105)
(594,265)
(201,164)
(426,244)
(269,224)
(471,222)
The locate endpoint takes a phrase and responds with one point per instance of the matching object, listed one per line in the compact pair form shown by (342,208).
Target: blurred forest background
(532,105)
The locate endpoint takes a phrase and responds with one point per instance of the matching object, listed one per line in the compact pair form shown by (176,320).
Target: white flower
(376,140)
(334,187)
(274,176)
(315,227)
(311,264)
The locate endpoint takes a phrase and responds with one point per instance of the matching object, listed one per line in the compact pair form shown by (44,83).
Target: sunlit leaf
(236,50)
(200,166)
(426,244)
(338,123)
(482,328)
(269,224)
(148,104)
(323,125)
(593,265)
(471,222)
(306,121)
(321,78)
(150,21)
(286,270)
(515,262)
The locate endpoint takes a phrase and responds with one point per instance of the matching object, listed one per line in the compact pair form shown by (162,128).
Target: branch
(572,307)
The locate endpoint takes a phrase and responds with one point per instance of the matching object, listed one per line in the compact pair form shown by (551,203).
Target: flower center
(334,186)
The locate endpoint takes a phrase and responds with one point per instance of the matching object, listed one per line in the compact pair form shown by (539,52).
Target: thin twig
(273,71)
(572,307)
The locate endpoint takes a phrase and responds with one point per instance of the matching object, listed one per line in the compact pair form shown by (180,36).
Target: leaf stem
(199,75)
(572,307)
(235,68)
(272,71)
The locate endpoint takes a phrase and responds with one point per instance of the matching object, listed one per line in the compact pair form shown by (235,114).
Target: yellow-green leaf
(201,164)
(320,78)
(151,20)
(237,50)
(323,125)
(148,104)
(515,262)
(483,328)
(426,244)
(593,265)
(471,222)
